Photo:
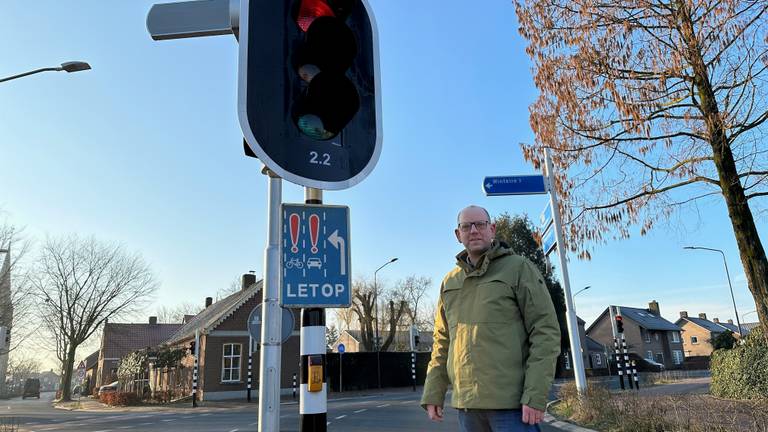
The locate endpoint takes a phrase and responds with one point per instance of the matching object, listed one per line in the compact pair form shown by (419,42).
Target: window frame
(675,357)
(647,357)
(694,340)
(231,357)
(647,336)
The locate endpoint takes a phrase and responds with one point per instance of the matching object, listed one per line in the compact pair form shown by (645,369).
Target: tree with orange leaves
(650,107)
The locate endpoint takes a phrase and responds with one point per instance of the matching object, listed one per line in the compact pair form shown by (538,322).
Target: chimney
(703,316)
(153,320)
(683,314)
(247,280)
(716,320)
(653,307)
(730,321)
(208,301)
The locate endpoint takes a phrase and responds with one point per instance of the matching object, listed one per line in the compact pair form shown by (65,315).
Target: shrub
(119,398)
(742,372)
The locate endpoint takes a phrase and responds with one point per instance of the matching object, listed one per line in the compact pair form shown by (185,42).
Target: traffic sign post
(315,256)
(551,240)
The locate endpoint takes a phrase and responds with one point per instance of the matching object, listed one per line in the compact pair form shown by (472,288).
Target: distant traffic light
(619,324)
(309,90)
(192,347)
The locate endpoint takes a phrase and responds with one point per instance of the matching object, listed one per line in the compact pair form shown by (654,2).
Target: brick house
(647,334)
(353,341)
(91,371)
(121,339)
(699,332)
(223,349)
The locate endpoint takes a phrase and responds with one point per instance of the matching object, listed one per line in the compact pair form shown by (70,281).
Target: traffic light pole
(313,405)
(570,317)
(271,329)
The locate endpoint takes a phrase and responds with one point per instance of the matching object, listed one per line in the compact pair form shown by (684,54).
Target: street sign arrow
(340,244)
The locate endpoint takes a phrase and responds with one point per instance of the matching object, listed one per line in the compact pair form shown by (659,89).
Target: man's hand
(532,416)
(435,413)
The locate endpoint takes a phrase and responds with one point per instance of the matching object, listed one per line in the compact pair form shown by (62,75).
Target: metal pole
(341,383)
(313,406)
(250,365)
(195,370)
(733,299)
(570,317)
(377,343)
(269,367)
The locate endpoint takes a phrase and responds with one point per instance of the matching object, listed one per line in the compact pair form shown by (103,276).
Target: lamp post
(376,303)
(728,275)
(750,312)
(582,290)
(73,66)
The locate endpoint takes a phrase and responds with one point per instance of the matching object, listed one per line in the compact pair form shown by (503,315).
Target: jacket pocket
(496,303)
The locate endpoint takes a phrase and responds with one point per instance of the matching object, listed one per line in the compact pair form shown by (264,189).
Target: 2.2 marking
(319,159)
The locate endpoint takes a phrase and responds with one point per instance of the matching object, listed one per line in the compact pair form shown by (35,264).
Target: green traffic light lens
(312,126)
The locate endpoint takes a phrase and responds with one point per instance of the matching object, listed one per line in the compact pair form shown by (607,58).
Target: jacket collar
(496,250)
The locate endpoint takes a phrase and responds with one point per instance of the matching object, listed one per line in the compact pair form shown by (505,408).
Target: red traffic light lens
(310,10)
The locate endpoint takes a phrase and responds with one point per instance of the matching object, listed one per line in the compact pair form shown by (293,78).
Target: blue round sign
(341,348)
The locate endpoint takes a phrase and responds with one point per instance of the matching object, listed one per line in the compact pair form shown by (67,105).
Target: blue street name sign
(546,217)
(514,185)
(548,241)
(341,348)
(314,252)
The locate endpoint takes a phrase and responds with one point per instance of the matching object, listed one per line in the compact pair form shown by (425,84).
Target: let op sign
(314,252)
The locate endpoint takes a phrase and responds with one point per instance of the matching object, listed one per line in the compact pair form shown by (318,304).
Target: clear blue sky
(145,150)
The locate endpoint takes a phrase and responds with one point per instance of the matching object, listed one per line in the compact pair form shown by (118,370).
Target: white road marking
(340,417)
(125,427)
(361,410)
(234,430)
(383,406)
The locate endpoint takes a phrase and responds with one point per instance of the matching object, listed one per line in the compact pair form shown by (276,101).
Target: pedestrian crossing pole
(634,375)
(194,370)
(250,365)
(617,352)
(313,403)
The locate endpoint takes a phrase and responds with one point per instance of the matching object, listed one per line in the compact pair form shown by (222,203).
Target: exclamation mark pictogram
(314,230)
(294,219)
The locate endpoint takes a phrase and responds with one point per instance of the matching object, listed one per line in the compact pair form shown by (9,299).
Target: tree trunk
(66,381)
(747,238)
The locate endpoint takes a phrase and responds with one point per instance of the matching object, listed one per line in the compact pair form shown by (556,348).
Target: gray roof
(705,324)
(734,328)
(750,326)
(647,320)
(214,314)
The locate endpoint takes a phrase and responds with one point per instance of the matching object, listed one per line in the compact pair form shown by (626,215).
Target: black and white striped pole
(618,362)
(294,386)
(196,350)
(612,311)
(634,375)
(414,338)
(312,402)
(250,365)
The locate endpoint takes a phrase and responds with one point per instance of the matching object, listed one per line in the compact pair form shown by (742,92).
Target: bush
(742,372)
(119,398)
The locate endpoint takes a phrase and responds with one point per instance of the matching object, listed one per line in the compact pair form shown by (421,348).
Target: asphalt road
(390,411)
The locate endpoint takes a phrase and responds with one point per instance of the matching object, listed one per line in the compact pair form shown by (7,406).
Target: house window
(649,355)
(660,358)
(675,336)
(598,360)
(656,335)
(694,340)
(677,357)
(567,359)
(647,336)
(230,367)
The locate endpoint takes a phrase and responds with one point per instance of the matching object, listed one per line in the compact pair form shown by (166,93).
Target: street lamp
(750,312)
(73,66)
(581,290)
(728,275)
(376,302)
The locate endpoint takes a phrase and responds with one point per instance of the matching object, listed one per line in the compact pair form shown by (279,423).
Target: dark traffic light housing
(309,98)
(619,324)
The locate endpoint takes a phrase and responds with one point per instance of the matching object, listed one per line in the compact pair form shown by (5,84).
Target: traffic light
(619,324)
(309,98)
(192,347)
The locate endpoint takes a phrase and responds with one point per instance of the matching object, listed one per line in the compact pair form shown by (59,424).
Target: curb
(559,424)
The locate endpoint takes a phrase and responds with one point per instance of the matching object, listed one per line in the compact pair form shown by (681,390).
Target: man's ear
(458,236)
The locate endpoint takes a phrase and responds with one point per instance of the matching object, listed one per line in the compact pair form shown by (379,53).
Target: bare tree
(22,367)
(363,303)
(16,303)
(650,107)
(396,307)
(175,314)
(413,289)
(345,317)
(81,283)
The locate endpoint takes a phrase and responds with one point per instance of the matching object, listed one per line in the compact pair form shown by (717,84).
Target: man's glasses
(466,227)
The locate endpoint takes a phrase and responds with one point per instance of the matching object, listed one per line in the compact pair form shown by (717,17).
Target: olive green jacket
(496,337)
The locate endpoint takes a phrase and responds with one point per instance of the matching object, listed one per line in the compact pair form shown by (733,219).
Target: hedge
(742,372)
(119,398)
